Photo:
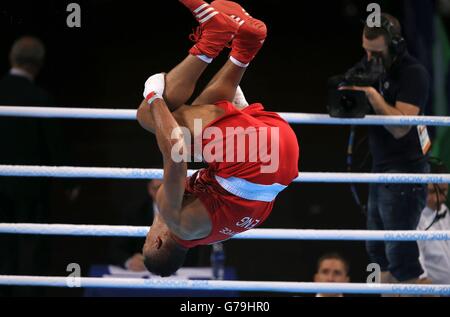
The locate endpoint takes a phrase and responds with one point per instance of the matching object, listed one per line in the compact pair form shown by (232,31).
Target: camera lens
(347,103)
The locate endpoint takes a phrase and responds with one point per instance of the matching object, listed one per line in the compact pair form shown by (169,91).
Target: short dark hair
(166,260)
(372,33)
(334,256)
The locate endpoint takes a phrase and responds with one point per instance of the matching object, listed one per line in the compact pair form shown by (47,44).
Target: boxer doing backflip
(251,154)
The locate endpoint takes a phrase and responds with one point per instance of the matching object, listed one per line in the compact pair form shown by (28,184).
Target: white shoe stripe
(204,12)
(201,7)
(209,16)
(238,19)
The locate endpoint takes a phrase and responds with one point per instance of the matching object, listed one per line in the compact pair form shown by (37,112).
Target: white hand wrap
(154,87)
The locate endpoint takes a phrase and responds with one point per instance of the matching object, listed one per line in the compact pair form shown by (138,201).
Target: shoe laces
(196,34)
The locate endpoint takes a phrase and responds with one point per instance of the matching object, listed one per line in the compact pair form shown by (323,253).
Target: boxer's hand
(136,263)
(154,87)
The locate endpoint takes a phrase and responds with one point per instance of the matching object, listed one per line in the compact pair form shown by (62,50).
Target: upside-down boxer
(236,191)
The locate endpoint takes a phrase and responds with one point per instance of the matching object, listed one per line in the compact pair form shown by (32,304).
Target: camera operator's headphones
(397,44)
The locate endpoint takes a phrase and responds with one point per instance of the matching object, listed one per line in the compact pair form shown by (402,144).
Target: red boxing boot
(251,34)
(216,29)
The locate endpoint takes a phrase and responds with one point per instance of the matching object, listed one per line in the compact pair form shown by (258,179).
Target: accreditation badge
(425,142)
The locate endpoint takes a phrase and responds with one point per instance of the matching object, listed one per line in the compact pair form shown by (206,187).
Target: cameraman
(402,90)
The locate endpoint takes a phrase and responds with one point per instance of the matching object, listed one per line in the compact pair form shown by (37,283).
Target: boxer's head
(163,256)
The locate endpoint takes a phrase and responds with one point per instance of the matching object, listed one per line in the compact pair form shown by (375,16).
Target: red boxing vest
(231,213)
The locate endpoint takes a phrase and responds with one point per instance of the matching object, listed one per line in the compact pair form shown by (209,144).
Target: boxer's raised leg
(215,31)
(223,85)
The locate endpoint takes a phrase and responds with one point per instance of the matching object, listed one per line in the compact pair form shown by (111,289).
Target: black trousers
(23,254)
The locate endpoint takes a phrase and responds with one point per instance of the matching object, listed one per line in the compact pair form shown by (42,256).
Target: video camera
(352,103)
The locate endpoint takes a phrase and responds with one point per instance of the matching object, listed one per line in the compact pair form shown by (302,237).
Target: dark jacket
(26,141)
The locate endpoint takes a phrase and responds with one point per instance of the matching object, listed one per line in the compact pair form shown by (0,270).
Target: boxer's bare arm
(186,220)
(174,172)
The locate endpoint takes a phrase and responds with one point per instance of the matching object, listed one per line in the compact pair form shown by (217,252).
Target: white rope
(254,234)
(295,118)
(213,285)
(306,118)
(81,172)
(66,113)
(74,230)
(154,173)
(380,178)
(347,235)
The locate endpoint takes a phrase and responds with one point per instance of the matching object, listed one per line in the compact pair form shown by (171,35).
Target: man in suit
(25,141)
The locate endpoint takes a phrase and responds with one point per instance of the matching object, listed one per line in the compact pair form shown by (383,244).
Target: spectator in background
(435,255)
(332,268)
(26,141)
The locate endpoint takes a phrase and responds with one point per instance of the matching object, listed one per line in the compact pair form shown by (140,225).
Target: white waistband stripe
(248,190)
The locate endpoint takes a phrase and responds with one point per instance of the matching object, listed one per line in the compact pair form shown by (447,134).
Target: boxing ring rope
(295,118)
(213,285)
(275,234)
(253,234)
(154,173)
